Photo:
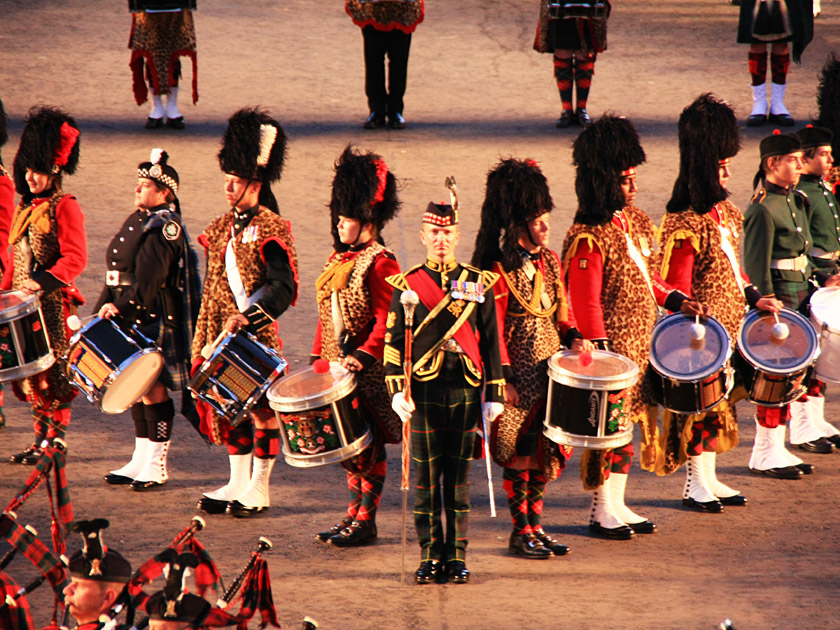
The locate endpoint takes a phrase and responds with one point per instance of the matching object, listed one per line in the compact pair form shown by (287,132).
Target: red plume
(382,176)
(321,366)
(68,140)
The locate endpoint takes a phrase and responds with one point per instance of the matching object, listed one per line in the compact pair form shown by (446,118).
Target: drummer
(532,326)
(50,251)
(777,240)
(824,223)
(7,211)
(353,299)
(152,282)
(251,280)
(700,239)
(614,291)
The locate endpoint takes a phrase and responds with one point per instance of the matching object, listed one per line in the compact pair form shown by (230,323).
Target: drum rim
(29,305)
(342,388)
(612,441)
(821,324)
(344,452)
(693,378)
(599,383)
(18,372)
(748,356)
(113,376)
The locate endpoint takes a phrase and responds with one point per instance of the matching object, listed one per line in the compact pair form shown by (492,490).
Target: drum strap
(726,246)
(636,257)
(243,301)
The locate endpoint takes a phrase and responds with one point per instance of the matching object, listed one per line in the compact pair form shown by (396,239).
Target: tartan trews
(443,430)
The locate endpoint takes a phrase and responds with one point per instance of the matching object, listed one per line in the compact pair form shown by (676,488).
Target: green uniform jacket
(823,216)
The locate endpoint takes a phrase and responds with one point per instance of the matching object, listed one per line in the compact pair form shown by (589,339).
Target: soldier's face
(628,186)
(87,599)
(440,241)
(148,195)
(536,233)
(724,173)
(786,168)
(240,192)
(820,164)
(38,182)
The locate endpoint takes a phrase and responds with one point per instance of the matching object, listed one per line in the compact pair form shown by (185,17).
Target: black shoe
(756,120)
(457,572)
(212,506)
(29,457)
(820,445)
(625,532)
(834,439)
(356,534)
(738,499)
(235,508)
(583,119)
(783,472)
(643,527)
(117,480)
(428,572)
(332,531)
(783,120)
(396,121)
(175,123)
(552,544)
(528,546)
(713,507)
(807,469)
(145,486)
(374,121)
(566,120)
(154,123)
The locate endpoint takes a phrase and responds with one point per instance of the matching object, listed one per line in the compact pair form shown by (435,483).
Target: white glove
(491,410)
(402,407)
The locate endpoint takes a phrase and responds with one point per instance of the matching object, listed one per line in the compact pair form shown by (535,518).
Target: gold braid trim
(334,279)
(678,235)
(532,307)
(29,215)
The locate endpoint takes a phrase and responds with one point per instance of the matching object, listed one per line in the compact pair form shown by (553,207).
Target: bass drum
(775,367)
(586,400)
(320,416)
(825,315)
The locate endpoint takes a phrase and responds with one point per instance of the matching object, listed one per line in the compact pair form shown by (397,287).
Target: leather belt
(818,252)
(119,278)
(790,264)
(453,346)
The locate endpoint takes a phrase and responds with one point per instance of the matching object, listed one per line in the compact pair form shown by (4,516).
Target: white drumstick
(207,351)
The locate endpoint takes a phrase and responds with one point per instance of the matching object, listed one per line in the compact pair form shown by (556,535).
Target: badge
(392,319)
(456,307)
(171,231)
(583,263)
(469,291)
(156,171)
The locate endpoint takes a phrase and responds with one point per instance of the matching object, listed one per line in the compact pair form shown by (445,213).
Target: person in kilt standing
(534,320)
(152,282)
(455,352)
(49,249)
(575,43)
(353,300)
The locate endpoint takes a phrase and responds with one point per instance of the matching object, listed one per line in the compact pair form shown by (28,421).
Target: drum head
(777,356)
(673,353)
(825,309)
(607,371)
(306,389)
(15,304)
(128,384)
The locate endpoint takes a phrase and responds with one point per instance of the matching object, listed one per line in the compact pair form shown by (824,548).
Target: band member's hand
(693,308)
(582,345)
(511,395)
(352,364)
(108,311)
(235,322)
(491,410)
(30,286)
(833,281)
(402,407)
(771,305)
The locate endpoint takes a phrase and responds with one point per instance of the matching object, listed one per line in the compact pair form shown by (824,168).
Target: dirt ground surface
(477,91)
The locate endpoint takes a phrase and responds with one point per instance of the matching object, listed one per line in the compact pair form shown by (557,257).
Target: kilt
(794,293)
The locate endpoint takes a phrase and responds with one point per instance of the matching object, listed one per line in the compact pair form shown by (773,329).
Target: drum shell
(690,397)
(24,343)
(825,315)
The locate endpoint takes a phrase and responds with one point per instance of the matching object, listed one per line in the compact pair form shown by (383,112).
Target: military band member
(777,240)
(353,300)
(251,280)
(700,241)
(7,211)
(50,251)
(455,352)
(534,318)
(615,290)
(828,95)
(150,273)
(172,608)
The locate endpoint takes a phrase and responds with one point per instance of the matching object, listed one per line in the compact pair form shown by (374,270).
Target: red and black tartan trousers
(366,478)
(443,431)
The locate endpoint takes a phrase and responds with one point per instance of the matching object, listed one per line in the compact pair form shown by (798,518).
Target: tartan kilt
(176,354)
(794,293)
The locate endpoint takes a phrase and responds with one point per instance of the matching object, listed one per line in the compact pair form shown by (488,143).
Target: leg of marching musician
(522,541)
(240,444)
(622,457)
(769,456)
(371,466)
(159,419)
(697,494)
(564,77)
(725,494)
(128,473)
(256,497)
(584,70)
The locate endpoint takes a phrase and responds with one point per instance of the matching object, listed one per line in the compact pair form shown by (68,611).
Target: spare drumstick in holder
(781,331)
(697,334)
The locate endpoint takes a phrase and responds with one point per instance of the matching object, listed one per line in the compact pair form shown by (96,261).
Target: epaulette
(398,281)
(489,278)
(759,196)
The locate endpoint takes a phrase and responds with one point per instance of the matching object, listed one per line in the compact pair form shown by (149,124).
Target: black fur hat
(49,144)
(708,133)
(516,193)
(254,147)
(95,561)
(171,603)
(363,189)
(601,152)
(828,101)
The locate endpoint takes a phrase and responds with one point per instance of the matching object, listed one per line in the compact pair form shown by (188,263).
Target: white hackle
(155,156)
(268,134)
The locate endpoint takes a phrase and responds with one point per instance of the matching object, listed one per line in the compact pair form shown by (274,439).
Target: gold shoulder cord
(532,307)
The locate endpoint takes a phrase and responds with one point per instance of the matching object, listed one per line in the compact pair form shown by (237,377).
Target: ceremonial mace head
(409,300)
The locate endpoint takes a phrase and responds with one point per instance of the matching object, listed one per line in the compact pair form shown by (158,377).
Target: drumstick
(207,350)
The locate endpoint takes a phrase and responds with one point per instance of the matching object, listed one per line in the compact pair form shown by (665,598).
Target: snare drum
(571,9)
(111,367)
(319,415)
(775,371)
(24,344)
(236,375)
(825,315)
(586,402)
(689,375)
